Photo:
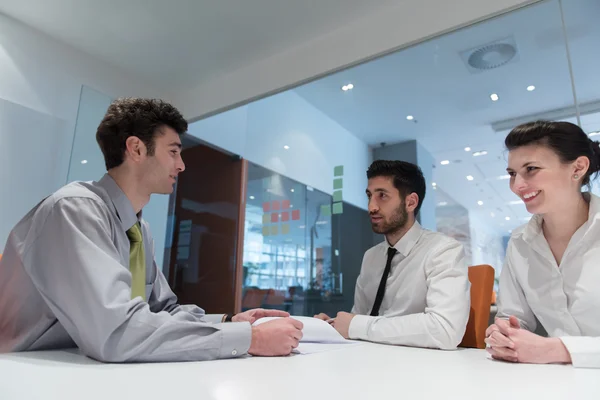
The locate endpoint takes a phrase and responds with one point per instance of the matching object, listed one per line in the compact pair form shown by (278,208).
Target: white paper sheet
(318,335)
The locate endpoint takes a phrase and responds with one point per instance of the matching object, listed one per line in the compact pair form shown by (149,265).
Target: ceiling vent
(491,55)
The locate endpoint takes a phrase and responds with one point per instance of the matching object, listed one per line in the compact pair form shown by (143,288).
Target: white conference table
(365,371)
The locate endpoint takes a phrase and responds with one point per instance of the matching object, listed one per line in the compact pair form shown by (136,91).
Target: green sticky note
(274,230)
(325,210)
(285,229)
(338,171)
(266,219)
(266,231)
(338,208)
(338,184)
(337,196)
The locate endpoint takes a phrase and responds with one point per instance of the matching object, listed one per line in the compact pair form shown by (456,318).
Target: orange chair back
(482,286)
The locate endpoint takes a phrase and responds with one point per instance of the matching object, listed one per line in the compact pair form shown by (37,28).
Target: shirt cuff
(235,339)
(359,327)
(582,351)
(214,318)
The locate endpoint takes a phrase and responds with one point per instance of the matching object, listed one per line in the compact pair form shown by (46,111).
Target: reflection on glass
(287,244)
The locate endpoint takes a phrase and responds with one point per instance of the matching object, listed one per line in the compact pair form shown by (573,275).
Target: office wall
(260,130)
(40,85)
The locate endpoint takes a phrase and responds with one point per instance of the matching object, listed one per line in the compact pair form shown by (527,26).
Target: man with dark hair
(413,288)
(79,268)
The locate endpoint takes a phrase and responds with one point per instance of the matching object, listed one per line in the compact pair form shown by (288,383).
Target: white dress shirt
(565,299)
(427,297)
(65,281)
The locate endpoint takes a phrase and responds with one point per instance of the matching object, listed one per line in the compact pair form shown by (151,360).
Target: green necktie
(137,262)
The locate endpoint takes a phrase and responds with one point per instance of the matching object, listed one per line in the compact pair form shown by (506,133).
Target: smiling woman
(553,257)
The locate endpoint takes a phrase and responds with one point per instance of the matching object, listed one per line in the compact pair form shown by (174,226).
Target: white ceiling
(452,106)
(182,43)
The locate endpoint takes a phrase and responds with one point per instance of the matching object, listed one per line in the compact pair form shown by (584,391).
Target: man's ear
(135,148)
(411,202)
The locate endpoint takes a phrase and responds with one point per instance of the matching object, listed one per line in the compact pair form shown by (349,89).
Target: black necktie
(381,291)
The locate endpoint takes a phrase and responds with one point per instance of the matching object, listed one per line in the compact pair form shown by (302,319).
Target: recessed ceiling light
(445,162)
(286,147)
(507,218)
(492,215)
(292,190)
(433,184)
(84,161)
(480,202)
(503,177)
(470,178)
(442,203)
(251,197)
(467,149)
(494,97)
(479,153)
(410,117)
(530,88)
(347,87)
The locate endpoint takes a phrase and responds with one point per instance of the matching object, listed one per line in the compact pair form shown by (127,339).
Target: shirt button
(234,352)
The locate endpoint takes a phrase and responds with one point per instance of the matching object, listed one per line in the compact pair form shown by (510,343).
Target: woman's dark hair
(408,178)
(567,140)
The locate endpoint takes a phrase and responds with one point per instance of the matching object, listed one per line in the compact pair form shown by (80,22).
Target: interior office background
(445,103)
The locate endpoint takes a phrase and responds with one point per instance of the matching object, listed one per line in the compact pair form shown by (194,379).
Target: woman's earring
(576,177)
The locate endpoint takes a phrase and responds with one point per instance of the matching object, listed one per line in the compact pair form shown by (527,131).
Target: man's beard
(396,222)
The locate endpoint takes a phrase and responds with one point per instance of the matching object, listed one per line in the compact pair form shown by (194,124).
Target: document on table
(318,335)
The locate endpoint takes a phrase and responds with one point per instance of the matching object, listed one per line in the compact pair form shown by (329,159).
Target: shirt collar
(123,206)
(409,240)
(534,227)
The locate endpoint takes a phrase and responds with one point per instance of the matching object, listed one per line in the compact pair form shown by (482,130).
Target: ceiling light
(480,202)
(479,153)
(503,177)
(410,117)
(470,178)
(347,87)
(467,149)
(594,133)
(515,202)
(445,162)
(286,147)
(292,190)
(494,97)
(530,88)
(507,218)
(84,161)
(251,197)
(433,184)
(492,215)
(442,203)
